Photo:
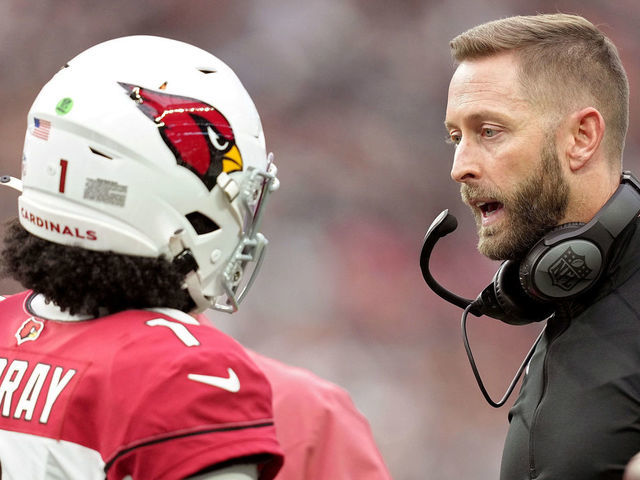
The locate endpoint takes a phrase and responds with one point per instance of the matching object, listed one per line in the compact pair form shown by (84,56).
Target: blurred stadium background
(352,96)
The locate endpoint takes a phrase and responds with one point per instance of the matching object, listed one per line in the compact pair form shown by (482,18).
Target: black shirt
(578,412)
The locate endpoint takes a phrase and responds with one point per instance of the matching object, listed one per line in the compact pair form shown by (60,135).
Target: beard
(537,204)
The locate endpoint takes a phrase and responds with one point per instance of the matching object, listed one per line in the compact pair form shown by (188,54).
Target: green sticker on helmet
(64,106)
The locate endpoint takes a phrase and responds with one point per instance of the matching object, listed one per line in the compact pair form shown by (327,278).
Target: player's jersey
(142,394)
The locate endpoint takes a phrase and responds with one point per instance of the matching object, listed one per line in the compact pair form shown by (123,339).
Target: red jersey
(141,394)
(323,435)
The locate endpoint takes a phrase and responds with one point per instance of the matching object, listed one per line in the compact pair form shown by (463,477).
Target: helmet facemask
(237,275)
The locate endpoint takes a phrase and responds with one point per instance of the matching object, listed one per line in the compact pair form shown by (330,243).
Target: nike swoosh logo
(230,384)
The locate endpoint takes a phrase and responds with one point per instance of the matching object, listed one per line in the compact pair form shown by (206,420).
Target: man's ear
(586,133)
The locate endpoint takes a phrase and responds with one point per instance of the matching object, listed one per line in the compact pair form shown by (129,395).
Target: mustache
(469,193)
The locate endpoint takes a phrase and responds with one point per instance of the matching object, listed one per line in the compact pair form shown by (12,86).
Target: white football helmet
(149,146)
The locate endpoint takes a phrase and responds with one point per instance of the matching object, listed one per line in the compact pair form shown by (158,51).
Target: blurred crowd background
(352,95)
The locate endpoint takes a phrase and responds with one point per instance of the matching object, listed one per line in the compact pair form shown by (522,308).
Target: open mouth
(489,208)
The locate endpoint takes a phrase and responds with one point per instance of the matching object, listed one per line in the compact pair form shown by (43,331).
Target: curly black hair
(89,282)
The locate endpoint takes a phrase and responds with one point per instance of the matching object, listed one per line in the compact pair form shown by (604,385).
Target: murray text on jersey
(30,390)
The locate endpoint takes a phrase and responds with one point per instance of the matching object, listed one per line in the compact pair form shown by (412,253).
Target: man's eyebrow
(448,126)
(478,116)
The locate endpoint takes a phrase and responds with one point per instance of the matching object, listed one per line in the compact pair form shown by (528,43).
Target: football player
(144,178)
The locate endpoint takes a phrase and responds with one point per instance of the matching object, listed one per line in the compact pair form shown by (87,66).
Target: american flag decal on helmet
(41,128)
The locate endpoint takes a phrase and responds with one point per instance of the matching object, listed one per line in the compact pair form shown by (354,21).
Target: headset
(566,263)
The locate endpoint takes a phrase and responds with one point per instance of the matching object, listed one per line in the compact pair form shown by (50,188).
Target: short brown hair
(565,63)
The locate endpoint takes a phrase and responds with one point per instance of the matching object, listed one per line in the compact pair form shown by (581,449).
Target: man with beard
(538,112)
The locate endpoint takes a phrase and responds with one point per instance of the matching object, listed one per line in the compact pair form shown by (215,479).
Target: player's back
(134,393)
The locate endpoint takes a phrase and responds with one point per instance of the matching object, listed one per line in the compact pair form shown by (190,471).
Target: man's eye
(488,132)
(454,138)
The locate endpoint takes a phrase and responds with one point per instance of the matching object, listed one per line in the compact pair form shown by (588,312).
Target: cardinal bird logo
(199,136)
(29,330)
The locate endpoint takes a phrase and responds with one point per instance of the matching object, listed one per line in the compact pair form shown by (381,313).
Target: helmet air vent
(98,152)
(201,223)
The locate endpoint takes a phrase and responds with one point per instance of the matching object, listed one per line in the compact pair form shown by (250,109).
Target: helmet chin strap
(184,259)
(247,250)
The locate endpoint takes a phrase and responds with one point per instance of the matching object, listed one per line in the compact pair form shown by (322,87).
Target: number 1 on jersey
(183,334)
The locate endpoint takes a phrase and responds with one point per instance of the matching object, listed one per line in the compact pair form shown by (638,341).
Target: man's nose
(466,164)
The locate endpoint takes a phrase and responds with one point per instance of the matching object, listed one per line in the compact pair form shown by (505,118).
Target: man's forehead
(484,85)
(494,74)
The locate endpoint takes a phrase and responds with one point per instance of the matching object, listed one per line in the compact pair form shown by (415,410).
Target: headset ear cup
(518,306)
(527,272)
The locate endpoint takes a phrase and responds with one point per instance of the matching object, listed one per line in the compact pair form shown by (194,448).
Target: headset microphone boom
(485,304)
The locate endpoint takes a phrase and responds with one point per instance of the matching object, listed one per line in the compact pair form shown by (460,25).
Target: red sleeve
(322,433)
(179,457)
(165,425)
